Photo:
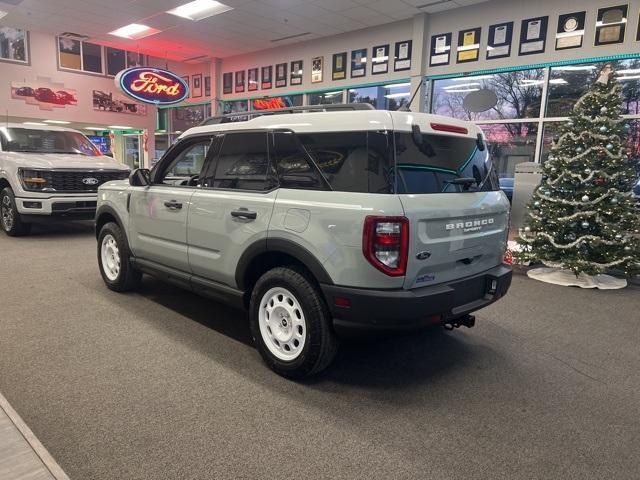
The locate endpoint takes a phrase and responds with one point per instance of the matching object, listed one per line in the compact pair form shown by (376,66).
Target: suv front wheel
(115,261)
(10,219)
(290,324)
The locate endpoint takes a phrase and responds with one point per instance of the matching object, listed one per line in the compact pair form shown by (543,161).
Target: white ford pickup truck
(49,171)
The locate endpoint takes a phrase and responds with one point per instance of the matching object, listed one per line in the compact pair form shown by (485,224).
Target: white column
(419,61)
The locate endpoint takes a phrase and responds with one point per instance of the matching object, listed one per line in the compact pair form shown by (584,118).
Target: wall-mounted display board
(533,35)
(500,38)
(227,82)
(44,93)
(611,24)
(296,72)
(252,79)
(281,75)
(339,66)
(185,79)
(380,60)
(267,76)
(570,31)
(207,86)
(239,82)
(358,63)
(317,67)
(468,45)
(402,59)
(440,50)
(196,88)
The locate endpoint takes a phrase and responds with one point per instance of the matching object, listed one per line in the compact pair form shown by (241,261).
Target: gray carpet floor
(162,384)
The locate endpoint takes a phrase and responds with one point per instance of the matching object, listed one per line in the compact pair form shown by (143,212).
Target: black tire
(128,277)
(320,345)
(10,220)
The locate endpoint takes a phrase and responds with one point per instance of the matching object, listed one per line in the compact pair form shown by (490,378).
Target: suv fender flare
(280,245)
(102,209)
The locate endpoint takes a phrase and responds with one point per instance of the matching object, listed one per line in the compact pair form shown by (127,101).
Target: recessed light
(398,85)
(120,127)
(35,123)
(134,31)
(95,128)
(60,122)
(199,9)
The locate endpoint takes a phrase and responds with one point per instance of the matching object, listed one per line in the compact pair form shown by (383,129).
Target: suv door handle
(244,213)
(173,205)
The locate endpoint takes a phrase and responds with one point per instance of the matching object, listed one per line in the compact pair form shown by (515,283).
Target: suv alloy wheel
(290,323)
(10,219)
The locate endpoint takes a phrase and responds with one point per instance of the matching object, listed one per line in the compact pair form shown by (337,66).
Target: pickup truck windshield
(442,164)
(46,141)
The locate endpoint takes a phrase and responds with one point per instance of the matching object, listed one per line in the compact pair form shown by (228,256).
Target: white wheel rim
(110,255)
(282,324)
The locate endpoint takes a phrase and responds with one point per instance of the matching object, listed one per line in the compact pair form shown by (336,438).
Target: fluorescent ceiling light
(397,95)
(3,14)
(573,68)
(463,90)
(468,47)
(466,79)
(558,81)
(199,9)
(330,94)
(460,85)
(630,70)
(134,31)
(95,128)
(630,77)
(398,85)
(61,122)
(120,127)
(35,123)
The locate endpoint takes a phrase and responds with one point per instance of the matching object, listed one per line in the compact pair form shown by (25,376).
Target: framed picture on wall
(570,31)
(186,80)
(296,72)
(402,57)
(500,38)
(380,60)
(611,24)
(358,63)
(468,45)
(267,75)
(317,66)
(227,82)
(281,75)
(196,88)
(440,53)
(339,66)
(239,87)
(207,86)
(533,35)
(252,79)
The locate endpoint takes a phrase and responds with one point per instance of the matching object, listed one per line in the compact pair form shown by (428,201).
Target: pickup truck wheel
(290,324)
(114,260)
(10,219)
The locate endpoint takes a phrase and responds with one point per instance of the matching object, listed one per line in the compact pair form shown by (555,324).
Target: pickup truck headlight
(35,180)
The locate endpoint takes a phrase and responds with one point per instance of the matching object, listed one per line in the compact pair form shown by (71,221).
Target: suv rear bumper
(76,206)
(406,309)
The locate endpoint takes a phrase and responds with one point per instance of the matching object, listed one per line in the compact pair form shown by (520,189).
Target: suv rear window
(431,165)
(352,161)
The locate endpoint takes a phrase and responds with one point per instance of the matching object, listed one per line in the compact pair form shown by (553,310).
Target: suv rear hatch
(458,217)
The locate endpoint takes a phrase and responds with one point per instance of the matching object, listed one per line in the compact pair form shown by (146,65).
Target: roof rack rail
(230,117)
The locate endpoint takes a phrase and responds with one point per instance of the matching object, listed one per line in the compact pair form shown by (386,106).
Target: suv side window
(243,163)
(187,164)
(292,163)
(352,161)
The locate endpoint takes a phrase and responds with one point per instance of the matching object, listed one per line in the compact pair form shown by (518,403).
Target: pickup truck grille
(80,180)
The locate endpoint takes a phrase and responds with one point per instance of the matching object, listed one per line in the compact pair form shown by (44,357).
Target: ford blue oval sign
(152,85)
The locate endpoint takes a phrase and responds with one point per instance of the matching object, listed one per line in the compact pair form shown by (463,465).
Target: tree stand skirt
(558,276)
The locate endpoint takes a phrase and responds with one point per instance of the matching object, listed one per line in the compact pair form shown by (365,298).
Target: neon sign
(152,85)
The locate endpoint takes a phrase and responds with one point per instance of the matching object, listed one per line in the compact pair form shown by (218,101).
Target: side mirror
(140,177)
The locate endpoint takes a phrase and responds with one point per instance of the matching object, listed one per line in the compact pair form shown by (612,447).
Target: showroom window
(271,103)
(510,144)
(14,45)
(519,95)
(325,98)
(382,97)
(236,106)
(184,118)
(77,55)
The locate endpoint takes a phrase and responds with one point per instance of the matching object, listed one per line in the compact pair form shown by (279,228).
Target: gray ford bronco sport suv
(317,222)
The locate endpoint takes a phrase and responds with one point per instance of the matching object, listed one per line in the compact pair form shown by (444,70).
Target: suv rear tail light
(385,244)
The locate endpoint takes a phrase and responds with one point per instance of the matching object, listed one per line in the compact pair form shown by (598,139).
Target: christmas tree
(583,216)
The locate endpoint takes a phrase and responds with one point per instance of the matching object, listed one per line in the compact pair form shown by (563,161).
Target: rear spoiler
(445,127)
